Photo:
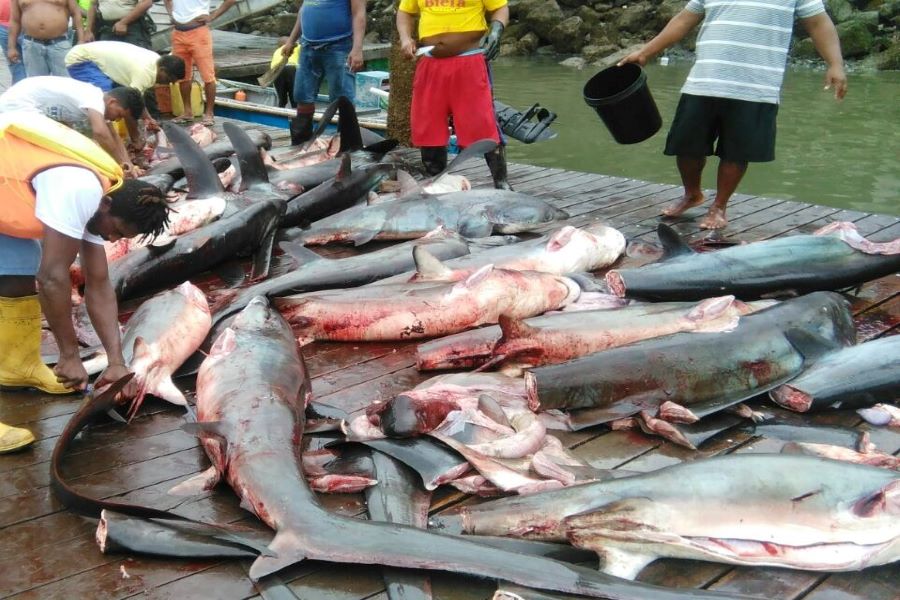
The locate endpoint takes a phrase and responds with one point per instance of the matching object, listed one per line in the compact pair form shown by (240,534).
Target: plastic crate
(366,80)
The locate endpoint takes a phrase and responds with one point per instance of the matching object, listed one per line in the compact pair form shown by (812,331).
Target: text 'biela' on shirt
(743,45)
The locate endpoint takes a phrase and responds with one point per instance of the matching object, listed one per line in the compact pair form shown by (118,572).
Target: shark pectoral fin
(623,563)
(231,273)
(408,185)
(166,389)
(885,500)
(363,236)
(476,226)
(202,482)
(299,253)
(429,268)
(286,550)
(262,258)
(382,147)
(162,248)
(672,243)
(810,345)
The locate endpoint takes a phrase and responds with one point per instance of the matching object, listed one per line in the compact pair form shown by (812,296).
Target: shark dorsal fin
(672,243)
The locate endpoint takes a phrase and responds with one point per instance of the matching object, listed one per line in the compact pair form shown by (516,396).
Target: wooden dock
(49,553)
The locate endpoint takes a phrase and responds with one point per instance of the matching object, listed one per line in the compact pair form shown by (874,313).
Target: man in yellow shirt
(284,83)
(112,64)
(453,77)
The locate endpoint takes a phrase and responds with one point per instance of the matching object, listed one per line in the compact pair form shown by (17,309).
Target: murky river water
(844,154)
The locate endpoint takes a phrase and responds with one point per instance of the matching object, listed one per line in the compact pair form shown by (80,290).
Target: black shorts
(743,131)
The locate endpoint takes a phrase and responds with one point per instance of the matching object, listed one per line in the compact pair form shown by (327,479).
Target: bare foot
(686,202)
(714,219)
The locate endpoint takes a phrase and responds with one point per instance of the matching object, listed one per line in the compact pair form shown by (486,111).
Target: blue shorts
(324,61)
(89,72)
(19,256)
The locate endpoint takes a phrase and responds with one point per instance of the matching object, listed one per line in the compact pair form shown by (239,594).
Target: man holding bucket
(731,94)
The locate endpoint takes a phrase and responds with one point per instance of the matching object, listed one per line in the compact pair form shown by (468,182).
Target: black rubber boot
(496,162)
(434,159)
(301,129)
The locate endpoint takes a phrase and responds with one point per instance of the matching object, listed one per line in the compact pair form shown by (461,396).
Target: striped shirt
(743,45)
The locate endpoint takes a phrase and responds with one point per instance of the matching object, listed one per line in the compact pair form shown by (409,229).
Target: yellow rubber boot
(14,438)
(20,347)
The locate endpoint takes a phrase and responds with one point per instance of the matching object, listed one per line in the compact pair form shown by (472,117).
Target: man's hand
(355,60)
(13,55)
(203,19)
(131,170)
(70,372)
(120,28)
(152,125)
(490,43)
(408,48)
(837,79)
(88,36)
(288,49)
(112,374)
(637,57)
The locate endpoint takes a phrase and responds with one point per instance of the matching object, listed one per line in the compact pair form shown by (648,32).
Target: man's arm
(121,26)
(358,14)
(288,47)
(101,301)
(674,31)
(15,24)
(104,135)
(501,15)
(220,10)
(91,21)
(58,252)
(828,45)
(75,13)
(406,22)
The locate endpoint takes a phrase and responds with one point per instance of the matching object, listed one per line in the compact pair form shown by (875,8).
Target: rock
(590,16)
(576,62)
(514,31)
(804,49)
(510,50)
(571,3)
(869,17)
(604,34)
(856,39)
(840,10)
(542,17)
(528,43)
(593,53)
(666,10)
(545,51)
(284,23)
(568,36)
(634,17)
(889,60)
(889,10)
(615,57)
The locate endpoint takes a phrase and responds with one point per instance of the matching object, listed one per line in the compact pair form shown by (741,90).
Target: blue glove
(490,43)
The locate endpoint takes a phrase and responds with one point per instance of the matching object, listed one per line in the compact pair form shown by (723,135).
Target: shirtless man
(45,28)
(453,77)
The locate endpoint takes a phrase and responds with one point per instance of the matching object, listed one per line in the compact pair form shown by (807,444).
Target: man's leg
(306,88)
(341,80)
(56,57)
(181,47)
(691,171)
(728,177)
(34,59)
(207,67)
(20,325)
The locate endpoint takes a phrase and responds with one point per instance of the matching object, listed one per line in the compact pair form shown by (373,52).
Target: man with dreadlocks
(61,196)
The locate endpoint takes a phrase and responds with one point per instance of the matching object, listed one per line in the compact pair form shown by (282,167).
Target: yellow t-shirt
(124,63)
(293,59)
(450,16)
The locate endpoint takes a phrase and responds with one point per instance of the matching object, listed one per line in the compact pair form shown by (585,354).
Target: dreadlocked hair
(143,205)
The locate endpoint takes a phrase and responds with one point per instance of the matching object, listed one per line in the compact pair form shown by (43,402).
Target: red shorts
(458,86)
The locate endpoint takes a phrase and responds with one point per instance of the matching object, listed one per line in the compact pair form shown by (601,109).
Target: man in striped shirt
(731,95)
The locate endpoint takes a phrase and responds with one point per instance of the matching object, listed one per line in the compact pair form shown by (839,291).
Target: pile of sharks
(534,341)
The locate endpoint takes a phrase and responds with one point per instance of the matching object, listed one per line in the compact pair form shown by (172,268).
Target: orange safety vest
(30,144)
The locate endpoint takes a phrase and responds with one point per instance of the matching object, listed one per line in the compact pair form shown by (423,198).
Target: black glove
(490,43)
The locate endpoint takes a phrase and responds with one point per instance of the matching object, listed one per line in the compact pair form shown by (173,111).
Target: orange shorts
(195,48)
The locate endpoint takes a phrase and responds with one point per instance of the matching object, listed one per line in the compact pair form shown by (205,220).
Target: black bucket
(622,99)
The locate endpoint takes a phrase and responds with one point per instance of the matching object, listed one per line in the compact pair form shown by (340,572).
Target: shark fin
(203,181)
(812,346)
(560,238)
(515,328)
(672,243)
(299,254)
(344,170)
(287,548)
(363,236)
(253,171)
(213,427)
(429,268)
(382,147)
(231,273)
(165,389)
(162,248)
(348,126)
(199,483)
(262,258)
(408,185)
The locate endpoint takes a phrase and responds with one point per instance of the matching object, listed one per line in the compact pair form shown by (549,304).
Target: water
(843,154)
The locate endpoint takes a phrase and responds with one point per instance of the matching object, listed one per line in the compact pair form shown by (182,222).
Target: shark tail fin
(286,550)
